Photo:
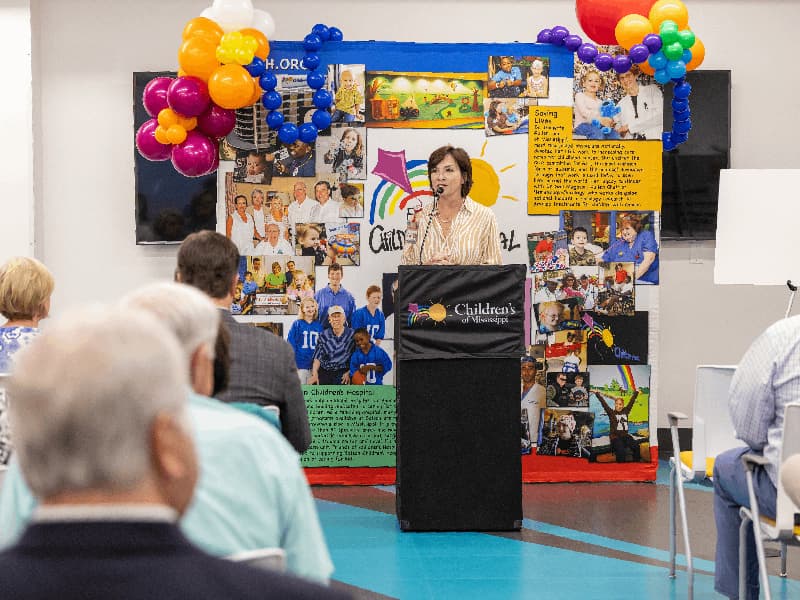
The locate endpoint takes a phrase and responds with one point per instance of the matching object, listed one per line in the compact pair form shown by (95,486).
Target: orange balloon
(203,28)
(161,135)
(647,69)
(197,57)
(167,118)
(257,92)
(188,123)
(176,134)
(263,44)
(669,10)
(231,86)
(631,30)
(698,54)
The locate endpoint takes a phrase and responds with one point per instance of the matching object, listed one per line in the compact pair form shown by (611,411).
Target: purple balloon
(572,42)
(639,53)
(587,53)
(147,144)
(216,122)
(195,156)
(653,42)
(544,37)
(622,63)
(188,96)
(557,35)
(603,61)
(154,96)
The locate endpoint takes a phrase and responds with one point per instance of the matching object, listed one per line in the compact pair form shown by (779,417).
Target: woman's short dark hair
(208,261)
(462,160)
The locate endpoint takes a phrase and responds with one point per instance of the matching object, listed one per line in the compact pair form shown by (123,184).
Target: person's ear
(201,371)
(234,281)
(174,460)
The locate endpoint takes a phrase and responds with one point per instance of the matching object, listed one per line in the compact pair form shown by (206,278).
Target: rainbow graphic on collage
(627,377)
(388,197)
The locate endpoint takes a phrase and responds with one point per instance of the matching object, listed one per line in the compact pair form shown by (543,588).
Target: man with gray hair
(101,433)
(263,370)
(240,504)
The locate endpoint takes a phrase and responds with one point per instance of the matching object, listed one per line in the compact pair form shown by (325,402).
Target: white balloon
(264,22)
(209,13)
(232,15)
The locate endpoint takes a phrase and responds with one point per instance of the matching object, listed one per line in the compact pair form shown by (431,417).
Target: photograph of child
(312,240)
(348,93)
(596,223)
(505,77)
(566,352)
(252,167)
(557,316)
(343,153)
(505,116)
(567,389)
(369,361)
(566,433)
(620,401)
(352,206)
(616,296)
(537,84)
(548,251)
(343,244)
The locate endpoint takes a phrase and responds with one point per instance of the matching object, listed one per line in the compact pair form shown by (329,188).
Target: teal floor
(587,541)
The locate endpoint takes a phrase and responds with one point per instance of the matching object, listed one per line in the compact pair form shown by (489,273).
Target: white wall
(85,201)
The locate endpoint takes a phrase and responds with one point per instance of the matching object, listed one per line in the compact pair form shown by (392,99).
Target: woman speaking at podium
(454,230)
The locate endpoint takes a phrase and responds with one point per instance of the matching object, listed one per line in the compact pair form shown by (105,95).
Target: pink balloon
(154,96)
(188,96)
(195,156)
(216,122)
(147,144)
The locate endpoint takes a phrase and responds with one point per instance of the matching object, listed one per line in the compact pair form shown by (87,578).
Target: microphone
(439,190)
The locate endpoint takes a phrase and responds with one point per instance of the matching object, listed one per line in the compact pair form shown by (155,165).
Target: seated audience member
(331,364)
(765,381)
(263,369)
(109,503)
(240,503)
(25,289)
(369,359)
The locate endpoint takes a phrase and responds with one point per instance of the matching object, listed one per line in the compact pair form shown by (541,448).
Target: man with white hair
(240,504)
(101,433)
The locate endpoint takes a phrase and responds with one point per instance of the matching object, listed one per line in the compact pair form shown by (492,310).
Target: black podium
(459,337)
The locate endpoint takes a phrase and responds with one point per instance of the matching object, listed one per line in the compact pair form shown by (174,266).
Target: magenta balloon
(154,96)
(188,96)
(195,156)
(216,122)
(215,165)
(147,144)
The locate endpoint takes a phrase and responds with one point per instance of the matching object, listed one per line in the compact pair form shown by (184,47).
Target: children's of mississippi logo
(466,312)
(419,313)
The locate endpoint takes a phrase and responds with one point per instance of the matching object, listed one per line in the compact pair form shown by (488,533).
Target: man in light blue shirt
(252,492)
(766,380)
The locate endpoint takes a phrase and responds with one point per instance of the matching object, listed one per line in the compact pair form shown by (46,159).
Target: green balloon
(686,38)
(673,51)
(668,32)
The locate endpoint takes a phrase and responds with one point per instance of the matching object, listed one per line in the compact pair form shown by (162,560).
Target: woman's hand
(346,378)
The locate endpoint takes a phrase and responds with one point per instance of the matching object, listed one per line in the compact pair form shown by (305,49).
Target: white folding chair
(782,529)
(712,429)
(677,475)
(271,559)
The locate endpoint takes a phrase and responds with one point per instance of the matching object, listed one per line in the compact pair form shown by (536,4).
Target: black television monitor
(690,180)
(169,206)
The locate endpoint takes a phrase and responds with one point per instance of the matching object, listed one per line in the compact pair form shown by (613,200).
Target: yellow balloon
(161,135)
(176,134)
(698,54)
(243,56)
(631,30)
(262,51)
(167,118)
(669,10)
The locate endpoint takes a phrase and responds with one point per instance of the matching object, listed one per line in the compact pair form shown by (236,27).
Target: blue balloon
(682,126)
(603,61)
(687,56)
(679,138)
(322,99)
(676,69)
(544,36)
(315,80)
(639,53)
(682,91)
(310,61)
(558,34)
(679,104)
(321,118)
(322,31)
(256,68)
(307,133)
(572,42)
(336,34)
(661,76)
(271,100)
(268,81)
(312,42)
(275,119)
(657,61)
(288,133)
(681,115)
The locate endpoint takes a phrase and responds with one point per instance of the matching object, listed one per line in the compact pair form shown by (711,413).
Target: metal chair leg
(743,556)
(762,561)
(685,529)
(672,529)
(783,559)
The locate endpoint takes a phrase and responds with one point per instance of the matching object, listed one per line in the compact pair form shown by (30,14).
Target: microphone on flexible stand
(436,193)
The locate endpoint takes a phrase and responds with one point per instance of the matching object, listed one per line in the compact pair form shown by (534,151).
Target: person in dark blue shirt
(368,359)
(331,364)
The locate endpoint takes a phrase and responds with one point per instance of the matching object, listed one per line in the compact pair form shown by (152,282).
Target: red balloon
(196,156)
(599,18)
(216,122)
(147,144)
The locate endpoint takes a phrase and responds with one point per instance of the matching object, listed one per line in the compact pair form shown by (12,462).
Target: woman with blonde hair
(25,289)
